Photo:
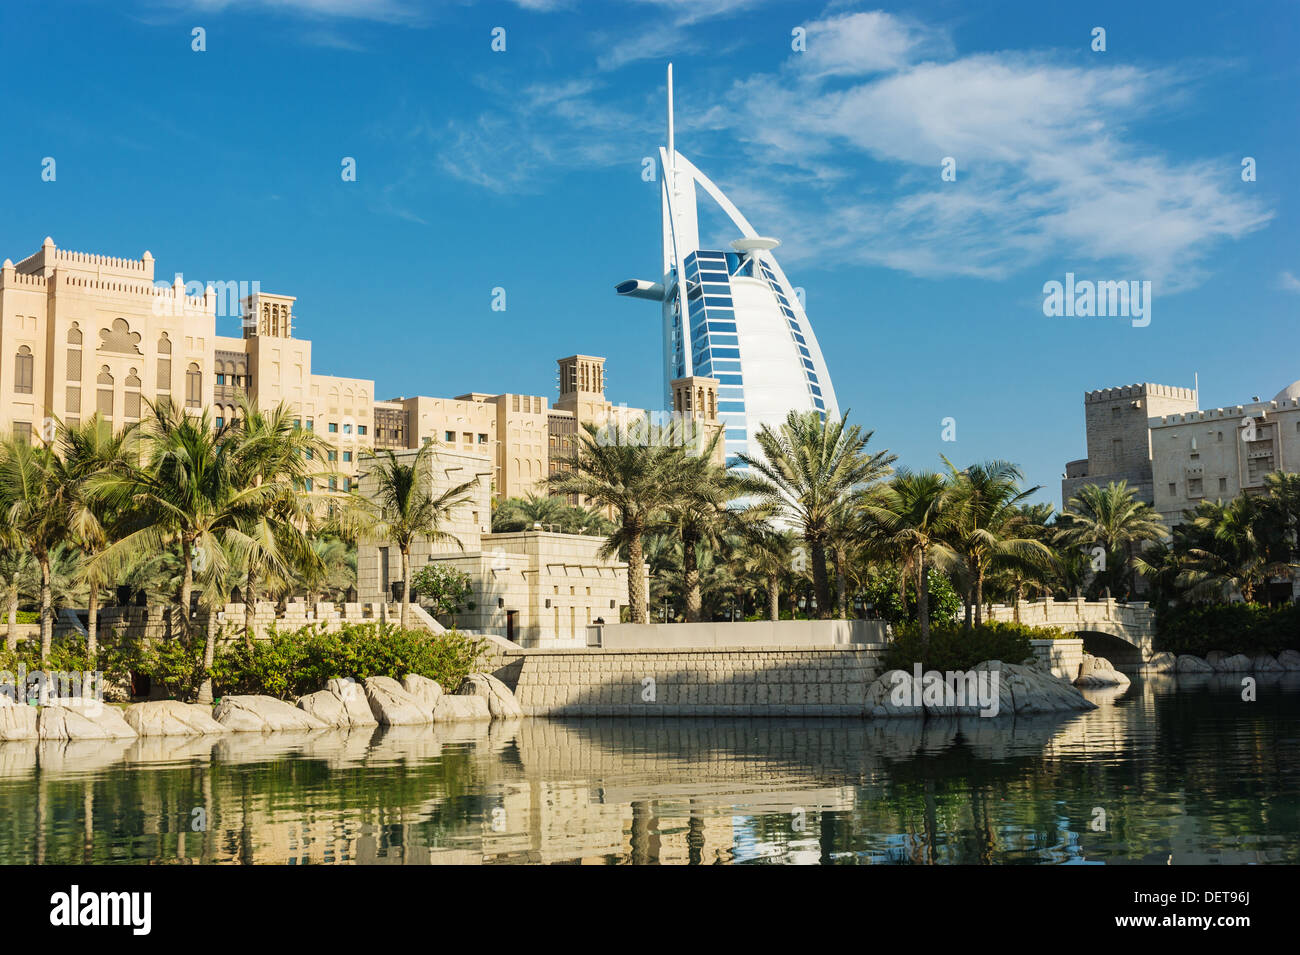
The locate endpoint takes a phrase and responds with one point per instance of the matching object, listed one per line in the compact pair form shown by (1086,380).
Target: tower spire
(672,155)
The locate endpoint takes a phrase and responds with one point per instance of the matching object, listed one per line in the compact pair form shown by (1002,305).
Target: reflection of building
(731,315)
(1156,438)
(533,587)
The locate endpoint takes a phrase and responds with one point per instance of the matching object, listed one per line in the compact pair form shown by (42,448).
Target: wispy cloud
(1289,282)
(838,151)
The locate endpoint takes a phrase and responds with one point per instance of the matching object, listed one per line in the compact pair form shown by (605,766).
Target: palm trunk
(187,587)
(967,599)
(691,578)
(821,583)
(841,601)
(47,612)
(1019,591)
(979,596)
(406,587)
(250,607)
(636,597)
(923,607)
(209,653)
(11,636)
(774,597)
(92,626)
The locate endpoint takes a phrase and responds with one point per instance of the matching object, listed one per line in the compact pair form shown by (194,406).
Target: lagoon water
(1170,770)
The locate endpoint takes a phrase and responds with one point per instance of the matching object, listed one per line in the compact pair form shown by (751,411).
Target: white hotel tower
(731,315)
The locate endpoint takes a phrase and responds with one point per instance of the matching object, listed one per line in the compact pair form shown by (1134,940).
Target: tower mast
(672,155)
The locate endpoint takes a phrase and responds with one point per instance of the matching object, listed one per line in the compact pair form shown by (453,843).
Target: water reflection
(1170,769)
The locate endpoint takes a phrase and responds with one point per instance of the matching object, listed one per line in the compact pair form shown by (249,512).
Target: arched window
(193,386)
(104,392)
(23,370)
(132,409)
(74,335)
(164,364)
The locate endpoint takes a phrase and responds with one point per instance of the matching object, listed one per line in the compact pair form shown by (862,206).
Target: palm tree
(917,513)
(635,479)
(1112,518)
(403,509)
(186,490)
(37,509)
(808,467)
(767,555)
(88,450)
(699,512)
(522,513)
(992,531)
(272,449)
(1224,547)
(14,558)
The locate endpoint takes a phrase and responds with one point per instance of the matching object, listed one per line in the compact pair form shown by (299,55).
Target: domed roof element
(1290,393)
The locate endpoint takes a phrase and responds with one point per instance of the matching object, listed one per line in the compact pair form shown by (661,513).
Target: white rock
(392,705)
(892,694)
(262,714)
(1163,662)
(1190,663)
(353,697)
(326,707)
(17,720)
(172,718)
(1289,660)
(1237,663)
(427,691)
(502,704)
(1265,663)
(1215,659)
(454,708)
(1098,671)
(83,719)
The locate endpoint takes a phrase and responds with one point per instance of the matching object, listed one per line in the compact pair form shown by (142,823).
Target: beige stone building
(83,333)
(1220,453)
(1119,441)
(1176,455)
(535,588)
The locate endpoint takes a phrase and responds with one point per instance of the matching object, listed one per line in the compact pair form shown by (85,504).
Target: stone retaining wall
(769,681)
(1063,657)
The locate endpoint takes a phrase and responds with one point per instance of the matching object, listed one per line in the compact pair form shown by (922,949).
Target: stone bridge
(1121,632)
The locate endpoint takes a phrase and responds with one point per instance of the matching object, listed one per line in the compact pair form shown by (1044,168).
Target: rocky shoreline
(1216,661)
(343,704)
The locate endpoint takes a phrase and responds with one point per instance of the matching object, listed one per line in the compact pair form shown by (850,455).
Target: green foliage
(29,616)
(953,647)
(882,592)
(290,664)
(1231,627)
(446,588)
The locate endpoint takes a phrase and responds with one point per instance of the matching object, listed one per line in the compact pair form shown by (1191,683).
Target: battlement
(1146,389)
(1229,412)
(50,257)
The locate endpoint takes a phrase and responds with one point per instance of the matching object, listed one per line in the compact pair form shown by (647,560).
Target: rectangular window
(347,456)
(361,429)
(73,401)
(1173,490)
(449,437)
(1223,485)
(221,423)
(347,429)
(333,456)
(482,439)
(333,427)
(221,379)
(311,424)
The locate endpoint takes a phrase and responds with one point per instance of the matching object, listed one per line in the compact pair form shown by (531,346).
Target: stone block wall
(768,681)
(1064,657)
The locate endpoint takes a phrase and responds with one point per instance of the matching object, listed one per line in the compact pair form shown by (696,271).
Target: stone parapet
(771,681)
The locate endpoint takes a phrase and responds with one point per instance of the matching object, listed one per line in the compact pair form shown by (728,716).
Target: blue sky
(522,169)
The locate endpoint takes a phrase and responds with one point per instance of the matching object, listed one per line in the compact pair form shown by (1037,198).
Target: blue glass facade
(714,344)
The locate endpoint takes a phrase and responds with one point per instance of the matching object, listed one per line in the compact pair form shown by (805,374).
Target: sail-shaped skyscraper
(730,314)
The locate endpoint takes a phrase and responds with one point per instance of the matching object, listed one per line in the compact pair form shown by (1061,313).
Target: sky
(827,124)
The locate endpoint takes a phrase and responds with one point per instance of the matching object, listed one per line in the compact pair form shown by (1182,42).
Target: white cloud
(1289,282)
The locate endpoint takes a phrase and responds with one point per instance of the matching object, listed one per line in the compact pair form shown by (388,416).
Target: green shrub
(944,601)
(290,664)
(953,647)
(1230,627)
